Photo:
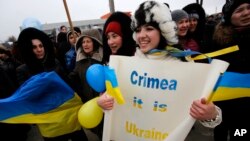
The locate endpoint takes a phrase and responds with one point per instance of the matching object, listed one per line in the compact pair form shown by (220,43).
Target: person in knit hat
(234,30)
(117,36)
(181,18)
(117,40)
(114,28)
(229,8)
(179,14)
(153,30)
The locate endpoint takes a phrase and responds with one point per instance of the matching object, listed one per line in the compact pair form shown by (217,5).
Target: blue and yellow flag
(232,86)
(46,100)
(112,85)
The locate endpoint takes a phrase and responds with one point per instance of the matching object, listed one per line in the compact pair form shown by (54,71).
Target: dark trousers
(14,132)
(75,136)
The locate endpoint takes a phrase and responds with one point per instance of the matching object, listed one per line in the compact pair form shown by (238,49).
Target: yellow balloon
(90,114)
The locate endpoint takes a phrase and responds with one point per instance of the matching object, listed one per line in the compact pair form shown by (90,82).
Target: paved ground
(34,135)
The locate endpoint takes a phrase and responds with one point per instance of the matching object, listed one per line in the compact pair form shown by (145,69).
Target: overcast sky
(13,12)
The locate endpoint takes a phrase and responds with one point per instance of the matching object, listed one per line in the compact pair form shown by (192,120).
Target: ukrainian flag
(112,85)
(46,100)
(232,85)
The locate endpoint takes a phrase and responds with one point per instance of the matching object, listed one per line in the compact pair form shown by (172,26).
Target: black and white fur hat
(157,13)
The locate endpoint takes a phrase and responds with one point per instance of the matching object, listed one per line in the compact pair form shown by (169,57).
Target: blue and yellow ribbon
(188,53)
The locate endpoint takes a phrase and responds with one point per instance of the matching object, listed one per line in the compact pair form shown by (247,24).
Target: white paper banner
(158,97)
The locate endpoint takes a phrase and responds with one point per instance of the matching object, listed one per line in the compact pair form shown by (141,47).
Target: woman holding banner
(154,32)
(116,31)
(117,40)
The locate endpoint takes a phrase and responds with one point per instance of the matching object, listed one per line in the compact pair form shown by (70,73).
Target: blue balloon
(31,22)
(96,77)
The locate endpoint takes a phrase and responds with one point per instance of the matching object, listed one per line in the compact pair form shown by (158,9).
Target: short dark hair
(61,27)
(78,30)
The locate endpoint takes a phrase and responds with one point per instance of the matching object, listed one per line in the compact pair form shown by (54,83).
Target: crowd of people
(146,34)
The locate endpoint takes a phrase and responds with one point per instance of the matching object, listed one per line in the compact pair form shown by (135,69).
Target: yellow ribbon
(217,53)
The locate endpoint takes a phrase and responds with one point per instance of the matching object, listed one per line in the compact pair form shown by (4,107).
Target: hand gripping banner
(158,96)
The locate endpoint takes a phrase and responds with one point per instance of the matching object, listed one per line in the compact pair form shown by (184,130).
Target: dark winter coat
(84,61)
(235,112)
(32,65)
(8,85)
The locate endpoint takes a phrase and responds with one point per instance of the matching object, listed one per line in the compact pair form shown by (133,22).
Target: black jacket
(235,112)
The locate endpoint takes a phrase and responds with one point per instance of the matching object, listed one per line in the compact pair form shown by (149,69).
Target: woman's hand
(201,110)
(105,101)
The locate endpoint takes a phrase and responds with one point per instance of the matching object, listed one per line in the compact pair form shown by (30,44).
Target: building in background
(83,24)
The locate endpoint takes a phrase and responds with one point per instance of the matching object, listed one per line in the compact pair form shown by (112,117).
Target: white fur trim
(161,15)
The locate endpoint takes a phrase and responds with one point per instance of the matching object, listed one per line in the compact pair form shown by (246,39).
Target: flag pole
(68,15)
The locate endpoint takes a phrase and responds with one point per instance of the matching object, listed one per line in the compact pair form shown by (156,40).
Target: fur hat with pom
(156,13)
